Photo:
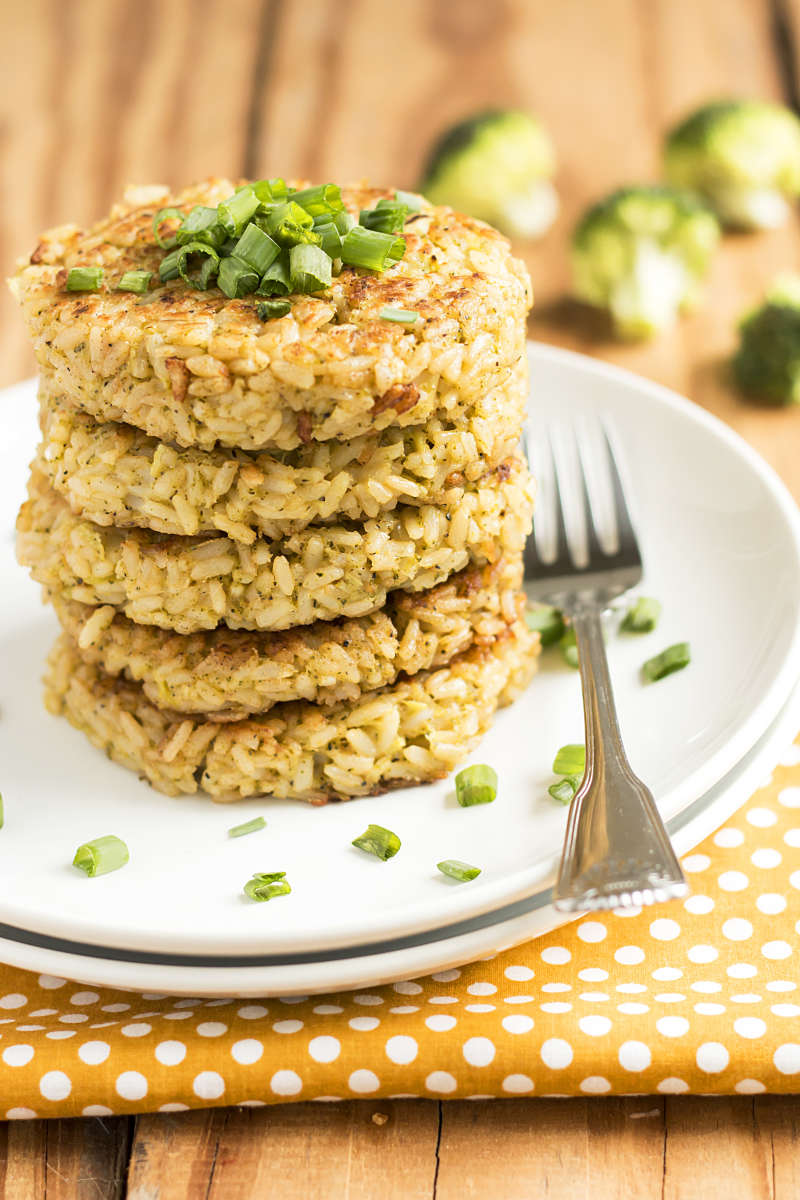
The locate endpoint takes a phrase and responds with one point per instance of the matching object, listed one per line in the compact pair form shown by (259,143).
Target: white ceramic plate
(721,539)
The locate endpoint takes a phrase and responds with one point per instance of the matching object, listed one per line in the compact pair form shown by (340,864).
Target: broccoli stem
(530,213)
(751,208)
(647,299)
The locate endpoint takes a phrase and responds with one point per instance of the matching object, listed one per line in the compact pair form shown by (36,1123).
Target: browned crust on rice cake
(233,673)
(114,474)
(414,731)
(198,368)
(321,573)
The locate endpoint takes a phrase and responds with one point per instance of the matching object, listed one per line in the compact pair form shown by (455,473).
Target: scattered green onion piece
(135,281)
(195,248)
(84,279)
(344,221)
(401,316)
(476,785)
(234,213)
(265,885)
(370,249)
(275,281)
(564,791)
(248,827)
(570,760)
(257,249)
(378,841)
(102,855)
(290,224)
(201,225)
(330,238)
(458,870)
(388,216)
(309,269)
(236,278)
(270,191)
(165,214)
(674,658)
(547,622)
(569,648)
(642,616)
(412,202)
(269,310)
(168,267)
(326,198)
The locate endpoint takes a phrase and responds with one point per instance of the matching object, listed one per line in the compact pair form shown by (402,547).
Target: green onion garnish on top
(371,249)
(206,254)
(102,855)
(326,198)
(265,885)
(165,214)
(546,621)
(564,791)
(84,279)
(674,658)
(248,827)
(378,841)
(135,281)
(402,316)
(275,281)
(388,216)
(257,249)
(235,212)
(570,760)
(269,310)
(413,203)
(458,870)
(236,278)
(476,785)
(642,616)
(201,225)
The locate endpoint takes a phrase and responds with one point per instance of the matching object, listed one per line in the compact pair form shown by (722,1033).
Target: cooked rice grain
(233,673)
(412,732)
(324,572)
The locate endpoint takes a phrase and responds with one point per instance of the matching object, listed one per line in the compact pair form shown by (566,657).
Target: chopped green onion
(674,658)
(275,281)
(257,249)
(564,791)
(196,248)
(135,281)
(309,268)
(102,855)
(265,885)
(378,841)
(547,622)
(371,249)
(458,870)
(168,267)
(201,225)
(402,316)
(290,224)
(84,279)
(570,760)
(412,202)
(165,214)
(388,216)
(248,827)
(569,648)
(270,191)
(237,210)
(326,198)
(236,278)
(330,238)
(269,310)
(344,221)
(476,785)
(642,616)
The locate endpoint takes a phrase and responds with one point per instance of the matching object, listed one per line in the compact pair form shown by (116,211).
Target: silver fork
(616,852)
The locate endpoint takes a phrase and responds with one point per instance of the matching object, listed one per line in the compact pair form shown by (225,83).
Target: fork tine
(562,541)
(593,545)
(626,534)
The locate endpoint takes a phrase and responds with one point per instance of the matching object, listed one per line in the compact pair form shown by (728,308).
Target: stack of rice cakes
(286,554)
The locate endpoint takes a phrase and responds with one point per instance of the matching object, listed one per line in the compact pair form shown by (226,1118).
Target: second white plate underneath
(720,535)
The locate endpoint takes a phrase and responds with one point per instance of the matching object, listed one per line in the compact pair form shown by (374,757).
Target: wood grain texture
(64,1160)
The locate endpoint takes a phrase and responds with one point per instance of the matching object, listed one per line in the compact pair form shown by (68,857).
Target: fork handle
(612,807)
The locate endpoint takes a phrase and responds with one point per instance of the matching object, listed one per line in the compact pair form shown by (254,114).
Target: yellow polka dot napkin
(697,996)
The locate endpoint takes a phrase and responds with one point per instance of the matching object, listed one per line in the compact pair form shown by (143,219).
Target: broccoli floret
(496,166)
(641,253)
(742,156)
(767,363)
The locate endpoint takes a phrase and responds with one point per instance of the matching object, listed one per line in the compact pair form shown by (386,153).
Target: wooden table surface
(98,93)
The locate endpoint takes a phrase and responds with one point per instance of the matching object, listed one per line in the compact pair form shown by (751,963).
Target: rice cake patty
(233,673)
(197,368)
(116,475)
(414,731)
(324,572)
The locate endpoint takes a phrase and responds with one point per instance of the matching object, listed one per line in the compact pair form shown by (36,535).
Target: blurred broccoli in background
(767,363)
(641,253)
(742,156)
(496,166)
